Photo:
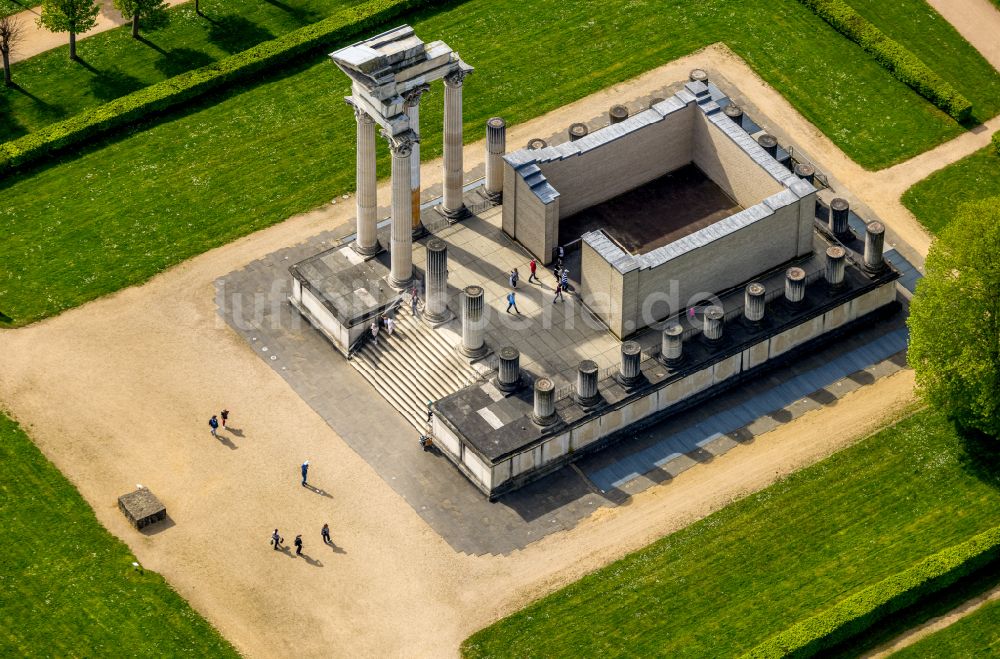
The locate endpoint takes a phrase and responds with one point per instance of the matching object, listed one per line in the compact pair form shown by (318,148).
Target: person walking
(390,325)
(559,294)
(513,278)
(213,423)
(564,279)
(511,302)
(533,268)
(375,331)
(276,539)
(225,417)
(298,545)
(326,534)
(305,472)
(414,298)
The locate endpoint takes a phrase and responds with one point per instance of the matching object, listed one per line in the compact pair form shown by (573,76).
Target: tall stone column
(366,241)
(496,146)
(453,206)
(413,113)
(401,235)
(436,300)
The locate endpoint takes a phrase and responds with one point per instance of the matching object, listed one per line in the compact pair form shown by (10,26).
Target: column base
(544,421)
(418,232)
(435,320)
(367,252)
(474,354)
(508,388)
(399,284)
(589,404)
(492,197)
(877,270)
(630,383)
(456,214)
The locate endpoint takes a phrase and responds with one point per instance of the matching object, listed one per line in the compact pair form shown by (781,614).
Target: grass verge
(116,212)
(51,87)
(67,586)
(915,25)
(935,199)
(975,635)
(739,576)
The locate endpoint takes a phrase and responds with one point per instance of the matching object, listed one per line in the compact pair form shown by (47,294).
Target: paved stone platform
(253,301)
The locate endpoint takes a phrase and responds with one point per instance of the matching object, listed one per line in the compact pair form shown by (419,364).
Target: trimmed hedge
(996,142)
(864,609)
(897,59)
(138,105)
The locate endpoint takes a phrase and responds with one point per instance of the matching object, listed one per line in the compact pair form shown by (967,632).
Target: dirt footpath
(117,392)
(37,39)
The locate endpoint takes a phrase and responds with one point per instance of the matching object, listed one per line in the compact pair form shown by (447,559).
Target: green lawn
(975,635)
(122,210)
(51,87)
(930,37)
(933,200)
(732,580)
(67,587)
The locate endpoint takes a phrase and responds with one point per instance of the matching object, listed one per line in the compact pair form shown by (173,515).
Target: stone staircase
(412,367)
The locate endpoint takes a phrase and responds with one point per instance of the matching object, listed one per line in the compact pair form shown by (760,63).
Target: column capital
(360,115)
(456,77)
(412,97)
(401,145)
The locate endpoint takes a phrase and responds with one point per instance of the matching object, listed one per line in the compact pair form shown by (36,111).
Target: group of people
(561,274)
(388,323)
(382,321)
(213,423)
(277,540)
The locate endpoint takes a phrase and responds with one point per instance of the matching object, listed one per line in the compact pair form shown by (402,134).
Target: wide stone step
(412,367)
(400,400)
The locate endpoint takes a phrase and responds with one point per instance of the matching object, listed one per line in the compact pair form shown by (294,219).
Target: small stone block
(142,508)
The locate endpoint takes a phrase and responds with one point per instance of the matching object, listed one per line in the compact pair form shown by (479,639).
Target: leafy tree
(955,320)
(73,16)
(10,35)
(133,9)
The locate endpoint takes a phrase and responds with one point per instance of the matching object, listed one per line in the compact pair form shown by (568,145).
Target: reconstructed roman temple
(701,254)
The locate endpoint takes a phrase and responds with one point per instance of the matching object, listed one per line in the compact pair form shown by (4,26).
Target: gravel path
(37,39)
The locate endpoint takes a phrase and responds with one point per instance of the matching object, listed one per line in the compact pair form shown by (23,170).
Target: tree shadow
(302,15)
(149,44)
(181,60)
(235,34)
(113,83)
(10,127)
(980,455)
